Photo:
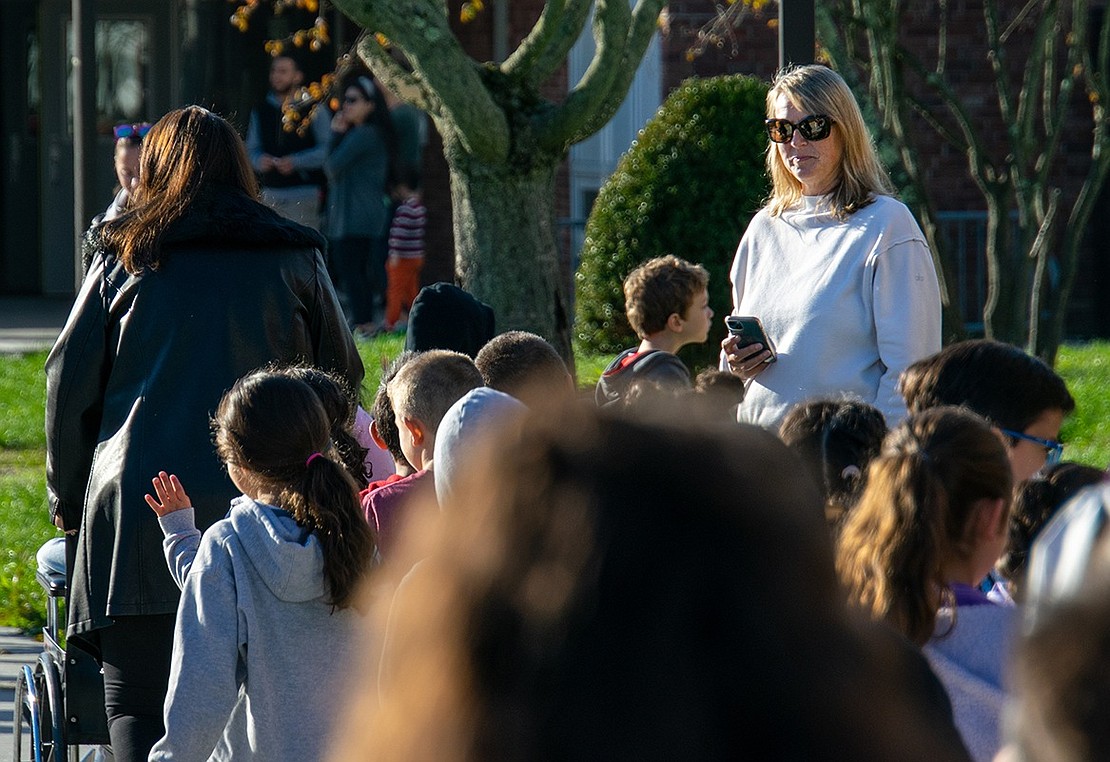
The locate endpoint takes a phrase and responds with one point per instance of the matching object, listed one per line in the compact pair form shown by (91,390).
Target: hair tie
(851,472)
(312,457)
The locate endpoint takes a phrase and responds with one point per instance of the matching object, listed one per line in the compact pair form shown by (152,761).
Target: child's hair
(275,427)
(340,404)
(570,562)
(523,364)
(836,440)
(409,177)
(1060,680)
(428,384)
(659,288)
(382,410)
(914,514)
(722,391)
(1037,501)
(1002,383)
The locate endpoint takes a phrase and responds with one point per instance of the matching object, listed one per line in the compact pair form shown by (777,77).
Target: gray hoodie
(260,659)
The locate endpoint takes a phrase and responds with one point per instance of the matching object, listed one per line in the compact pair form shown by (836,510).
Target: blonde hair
(914,515)
(430,383)
(817,89)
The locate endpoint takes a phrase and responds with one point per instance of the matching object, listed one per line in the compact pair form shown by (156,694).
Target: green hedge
(688,186)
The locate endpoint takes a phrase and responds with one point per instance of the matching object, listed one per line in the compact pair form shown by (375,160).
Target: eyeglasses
(131,131)
(813,127)
(1053,450)
(352,99)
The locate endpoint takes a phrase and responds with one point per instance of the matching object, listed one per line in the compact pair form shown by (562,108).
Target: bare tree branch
(621,40)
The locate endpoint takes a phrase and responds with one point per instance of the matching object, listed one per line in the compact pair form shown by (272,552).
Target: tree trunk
(506,248)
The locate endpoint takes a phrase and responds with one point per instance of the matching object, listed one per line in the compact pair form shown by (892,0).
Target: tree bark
(506,245)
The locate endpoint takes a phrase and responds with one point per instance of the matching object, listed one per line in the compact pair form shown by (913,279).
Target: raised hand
(170,495)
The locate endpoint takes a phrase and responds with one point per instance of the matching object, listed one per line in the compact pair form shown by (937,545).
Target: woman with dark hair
(358,172)
(196,284)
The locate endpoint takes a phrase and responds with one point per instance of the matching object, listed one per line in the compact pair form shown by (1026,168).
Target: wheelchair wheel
(39,734)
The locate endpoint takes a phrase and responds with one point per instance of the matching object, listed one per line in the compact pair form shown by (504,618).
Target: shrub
(687,186)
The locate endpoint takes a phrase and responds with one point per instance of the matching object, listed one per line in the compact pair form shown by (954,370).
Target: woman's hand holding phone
(747,348)
(747,361)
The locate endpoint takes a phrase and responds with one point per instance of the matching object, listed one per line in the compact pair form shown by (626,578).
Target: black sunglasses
(813,127)
(131,131)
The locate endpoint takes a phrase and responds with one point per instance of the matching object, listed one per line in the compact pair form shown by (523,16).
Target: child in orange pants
(406,251)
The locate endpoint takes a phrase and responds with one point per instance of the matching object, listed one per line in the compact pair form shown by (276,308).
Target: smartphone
(750,330)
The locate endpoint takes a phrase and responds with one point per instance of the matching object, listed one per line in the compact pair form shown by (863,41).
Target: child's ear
(416,430)
(675,322)
(377,437)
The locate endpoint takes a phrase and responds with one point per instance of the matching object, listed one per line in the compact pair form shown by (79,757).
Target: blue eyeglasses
(1053,451)
(133,132)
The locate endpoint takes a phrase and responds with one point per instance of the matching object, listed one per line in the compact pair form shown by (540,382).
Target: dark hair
(1002,383)
(380,118)
(719,393)
(524,365)
(382,410)
(275,427)
(340,404)
(1037,501)
(571,565)
(186,151)
(836,440)
(409,177)
(1059,679)
(914,513)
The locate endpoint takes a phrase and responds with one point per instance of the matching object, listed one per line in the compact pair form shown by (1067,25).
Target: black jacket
(656,366)
(140,367)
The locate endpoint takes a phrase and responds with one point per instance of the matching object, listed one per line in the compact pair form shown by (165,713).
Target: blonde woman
(836,268)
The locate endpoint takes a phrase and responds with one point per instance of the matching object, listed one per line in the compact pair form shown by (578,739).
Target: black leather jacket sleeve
(76,370)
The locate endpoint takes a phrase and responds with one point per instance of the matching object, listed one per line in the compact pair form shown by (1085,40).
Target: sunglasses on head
(131,131)
(813,127)
(1053,451)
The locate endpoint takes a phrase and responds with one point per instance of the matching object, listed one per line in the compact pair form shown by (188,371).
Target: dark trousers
(359,264)
(135,654)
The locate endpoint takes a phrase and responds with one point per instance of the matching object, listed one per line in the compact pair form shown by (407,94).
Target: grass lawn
(23,515)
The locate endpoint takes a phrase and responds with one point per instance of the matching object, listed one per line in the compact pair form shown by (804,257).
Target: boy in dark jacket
(667,304)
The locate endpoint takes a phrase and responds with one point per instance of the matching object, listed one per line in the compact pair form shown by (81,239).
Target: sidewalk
(15,650)
(31,323)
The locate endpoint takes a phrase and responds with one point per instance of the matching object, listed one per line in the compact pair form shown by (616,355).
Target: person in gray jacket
(195,285)
(268,604)
(358,172)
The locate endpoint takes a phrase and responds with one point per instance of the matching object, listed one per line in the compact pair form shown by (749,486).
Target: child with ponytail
(267,628)
(931,523)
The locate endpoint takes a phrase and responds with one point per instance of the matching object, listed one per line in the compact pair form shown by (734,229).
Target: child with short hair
(383,428)
(666,300)
(268,593)
(406,249)
(526,366)
(1020,394)
(421,393)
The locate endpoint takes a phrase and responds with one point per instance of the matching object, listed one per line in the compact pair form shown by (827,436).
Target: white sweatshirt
(848,304)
